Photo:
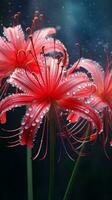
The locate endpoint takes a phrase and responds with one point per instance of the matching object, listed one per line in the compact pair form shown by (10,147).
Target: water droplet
(33,124)
(79,87)
(30,109)
(68,93)
(37,120)
(26,127)
(86,111)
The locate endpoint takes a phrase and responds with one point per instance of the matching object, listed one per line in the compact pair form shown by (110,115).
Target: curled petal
(13,101)
(15,35)
(42,33)
(10,44)
(95,70)
(51,45)
(31,122)
(85,91)
(79,86)
(73,68)
(3,118)
(82,109)
(39,37)
(27,83)
(96,102)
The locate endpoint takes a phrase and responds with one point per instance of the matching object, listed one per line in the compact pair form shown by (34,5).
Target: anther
(36,14)
(28,30)
(33,26)
(41,17)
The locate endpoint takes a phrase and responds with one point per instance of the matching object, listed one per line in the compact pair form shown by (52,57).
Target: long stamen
(37,17)
(35,57)
(8,137)
(46,67)
(13,145)
(41,142)
(34,22)
(37,80)
(46,148)
(10,131)
(41,17)
(59,120)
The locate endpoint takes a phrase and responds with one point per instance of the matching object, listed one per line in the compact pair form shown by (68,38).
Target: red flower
(52,86)
(101,100)
(18,52)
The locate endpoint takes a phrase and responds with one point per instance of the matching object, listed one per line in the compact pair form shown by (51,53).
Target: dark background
(88,22)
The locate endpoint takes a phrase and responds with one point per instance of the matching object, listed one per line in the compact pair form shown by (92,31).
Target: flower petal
(95,69)
(3,118)
(73,68)
(82,109)
(38,39)
(96,102)
(7,57)
(81,86)
(31,122)
(27,83)
(42,33)
(51,45)
(15,35)
(13,101)
(73,117)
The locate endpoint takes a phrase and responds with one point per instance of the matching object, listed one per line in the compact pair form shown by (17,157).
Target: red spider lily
(102,98)
(17,51)
(41,91)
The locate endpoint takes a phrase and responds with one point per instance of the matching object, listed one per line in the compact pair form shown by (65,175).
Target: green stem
(74,173)
(52,153)
(73,177)
(29,175)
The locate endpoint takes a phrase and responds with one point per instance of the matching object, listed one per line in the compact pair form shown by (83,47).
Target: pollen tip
(36,13)
(28,30)
(41,17)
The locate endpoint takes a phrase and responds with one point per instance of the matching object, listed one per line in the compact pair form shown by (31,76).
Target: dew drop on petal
(37,120)
(23,123)
(86,111)
(30,109)
(67,93)
(26,127)
(33,124)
